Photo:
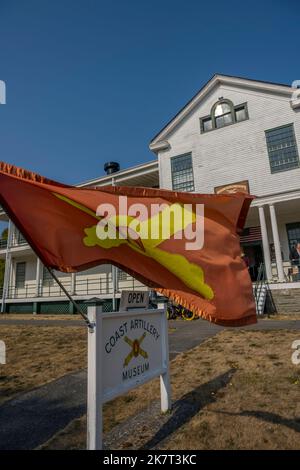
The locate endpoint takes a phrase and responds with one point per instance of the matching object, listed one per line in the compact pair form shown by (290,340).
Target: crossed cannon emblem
(136,349)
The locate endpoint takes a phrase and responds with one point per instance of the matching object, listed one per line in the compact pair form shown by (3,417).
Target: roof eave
(159,145)
(127,172)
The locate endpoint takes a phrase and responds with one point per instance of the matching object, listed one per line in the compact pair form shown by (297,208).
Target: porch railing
(16,241)
(291,271)
(83,287)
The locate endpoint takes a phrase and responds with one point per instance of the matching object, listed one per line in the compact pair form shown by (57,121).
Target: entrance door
(293,231)
(252,247)
(254,254)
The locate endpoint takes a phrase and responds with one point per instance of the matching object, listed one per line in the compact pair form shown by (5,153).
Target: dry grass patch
(38,354)
(242,386)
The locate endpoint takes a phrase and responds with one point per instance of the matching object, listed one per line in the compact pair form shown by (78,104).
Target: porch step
(287,300)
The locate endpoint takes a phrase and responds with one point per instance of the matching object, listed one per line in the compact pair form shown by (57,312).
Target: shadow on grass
(30,419)
(268,417)
(184,409)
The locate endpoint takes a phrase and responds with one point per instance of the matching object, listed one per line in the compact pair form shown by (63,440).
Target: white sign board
(132,350)
(125,350)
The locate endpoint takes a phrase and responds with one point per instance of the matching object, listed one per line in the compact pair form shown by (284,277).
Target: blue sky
(92,81)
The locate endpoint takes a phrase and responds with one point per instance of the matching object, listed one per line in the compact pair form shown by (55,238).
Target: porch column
(73,283)
(280,271)
(265,242)
(38,277)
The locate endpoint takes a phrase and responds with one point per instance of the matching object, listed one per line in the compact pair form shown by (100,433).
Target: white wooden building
(237,133)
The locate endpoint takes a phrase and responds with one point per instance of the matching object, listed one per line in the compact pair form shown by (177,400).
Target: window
(47,278)
(207,124)
(182,173)
(293,231)
(282,148)
(223,113)
(240,113)
(123,276)
(20,274)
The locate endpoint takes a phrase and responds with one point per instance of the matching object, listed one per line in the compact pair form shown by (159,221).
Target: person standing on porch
(295,257)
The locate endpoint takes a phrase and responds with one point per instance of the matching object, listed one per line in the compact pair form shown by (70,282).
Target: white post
(38,276)
(7,271)
(94,381)
(73,283)
(2,352)
(165,385)
(277,247)
(265,242)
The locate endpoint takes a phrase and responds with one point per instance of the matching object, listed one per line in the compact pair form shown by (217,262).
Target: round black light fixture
(111,167)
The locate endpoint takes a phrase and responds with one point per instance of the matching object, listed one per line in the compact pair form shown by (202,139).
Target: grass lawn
(256,407)
(37,354)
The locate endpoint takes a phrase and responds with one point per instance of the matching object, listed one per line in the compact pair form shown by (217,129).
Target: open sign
(134,299)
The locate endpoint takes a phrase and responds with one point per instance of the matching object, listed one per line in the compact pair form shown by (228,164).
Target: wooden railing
(92,287)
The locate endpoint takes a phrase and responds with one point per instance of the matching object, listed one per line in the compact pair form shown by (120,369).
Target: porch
(270,237)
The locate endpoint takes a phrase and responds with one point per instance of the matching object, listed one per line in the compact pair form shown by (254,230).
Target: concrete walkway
(33,417)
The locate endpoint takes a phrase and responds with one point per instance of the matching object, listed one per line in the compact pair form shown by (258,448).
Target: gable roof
(158,142)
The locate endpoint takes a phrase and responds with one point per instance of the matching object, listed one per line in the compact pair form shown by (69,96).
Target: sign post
(165,385)
(94,382)
(2,352)
(125,350)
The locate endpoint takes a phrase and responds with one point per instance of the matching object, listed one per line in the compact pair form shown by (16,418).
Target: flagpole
(79,310)
(114,272)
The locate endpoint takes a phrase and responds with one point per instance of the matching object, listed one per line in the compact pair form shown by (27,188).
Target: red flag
(67,230)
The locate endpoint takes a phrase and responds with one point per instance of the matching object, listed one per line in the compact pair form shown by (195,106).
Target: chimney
(111,167)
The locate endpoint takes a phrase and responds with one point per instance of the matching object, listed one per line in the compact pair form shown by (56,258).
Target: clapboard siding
(236,152)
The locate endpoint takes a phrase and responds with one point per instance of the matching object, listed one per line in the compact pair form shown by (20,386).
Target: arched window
(222,113)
